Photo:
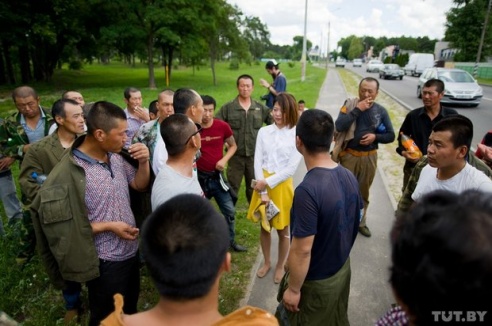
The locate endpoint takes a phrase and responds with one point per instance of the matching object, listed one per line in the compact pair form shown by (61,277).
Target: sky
(285,18)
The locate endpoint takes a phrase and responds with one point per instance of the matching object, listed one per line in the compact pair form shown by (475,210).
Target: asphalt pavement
(370,293)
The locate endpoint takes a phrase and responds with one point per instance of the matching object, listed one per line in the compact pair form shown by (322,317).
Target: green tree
(464,27)
(257,35)
(345,43)
(356,48)
(296,50)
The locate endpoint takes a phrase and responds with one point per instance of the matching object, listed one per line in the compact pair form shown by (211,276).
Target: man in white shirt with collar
(449,144)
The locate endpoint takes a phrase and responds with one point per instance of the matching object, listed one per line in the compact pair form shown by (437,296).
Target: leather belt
(358,153)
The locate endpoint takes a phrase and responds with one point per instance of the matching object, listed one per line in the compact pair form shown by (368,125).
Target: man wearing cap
(279,82)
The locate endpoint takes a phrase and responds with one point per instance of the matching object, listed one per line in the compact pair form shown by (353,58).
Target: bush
(234,65)
(291,64)
(75,65)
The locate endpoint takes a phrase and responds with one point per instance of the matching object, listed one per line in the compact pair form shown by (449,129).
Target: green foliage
(464,28)
(356,48)
(75,65)
(291,64)
(234,65)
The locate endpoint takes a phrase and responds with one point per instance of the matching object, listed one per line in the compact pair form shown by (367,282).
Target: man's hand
(6,162)
(409,158)
(366,104)
(221,165)
(141,113)
(486,152)
(367,139)
(139,152)
(124,230)
(264,83)
(291,300)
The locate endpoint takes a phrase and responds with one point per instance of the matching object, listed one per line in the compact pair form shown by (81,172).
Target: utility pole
(479,53)
(328,47)
(304,41)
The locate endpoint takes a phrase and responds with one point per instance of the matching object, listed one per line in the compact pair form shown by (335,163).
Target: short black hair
(184,242)
(245,76)
(58,108)
(437,83)
(174,131)
(127,92)
(371,80)
(183,99)
(315,129)
(301,102)
(461,129)
(104,115)
(153,107)
(207,100)
(442,254)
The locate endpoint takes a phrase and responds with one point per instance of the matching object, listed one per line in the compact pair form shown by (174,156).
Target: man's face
(197,110)
(208,113)
(28,106)
(74,119)
(272,72)
(245,88)
(431,97)
(76,96)
(368,89)
(441,152)
(135,100)
(115,139)
(165,106)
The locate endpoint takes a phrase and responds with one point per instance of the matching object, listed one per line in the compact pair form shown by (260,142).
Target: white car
(374,66)
(357,63)
(460,86)
(340,62)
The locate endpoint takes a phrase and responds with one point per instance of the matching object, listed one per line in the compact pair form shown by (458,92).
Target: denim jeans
(8,195)
(115,277)
(213,189)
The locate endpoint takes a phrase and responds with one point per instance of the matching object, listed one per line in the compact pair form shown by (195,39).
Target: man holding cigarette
(136,115)
(372,126)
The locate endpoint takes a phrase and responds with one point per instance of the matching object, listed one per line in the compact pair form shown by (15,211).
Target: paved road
(370,294)
(405,92)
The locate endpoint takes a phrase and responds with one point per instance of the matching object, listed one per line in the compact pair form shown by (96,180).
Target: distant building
(443,51)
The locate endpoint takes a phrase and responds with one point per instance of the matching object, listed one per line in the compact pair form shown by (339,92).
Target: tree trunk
(3,72)
(150,51)
(8,62)
(25,66)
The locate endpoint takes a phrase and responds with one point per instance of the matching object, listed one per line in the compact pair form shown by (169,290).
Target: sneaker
(238,248)
(364,230)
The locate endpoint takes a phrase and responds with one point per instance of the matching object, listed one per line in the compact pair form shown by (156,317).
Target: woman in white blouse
(276,160)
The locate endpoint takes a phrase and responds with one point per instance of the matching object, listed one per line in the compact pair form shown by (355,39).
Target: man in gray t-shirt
(178,176)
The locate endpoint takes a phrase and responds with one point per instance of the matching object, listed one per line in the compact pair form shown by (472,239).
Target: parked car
(460,86)
(418,62)
(340,62)
(390,71)
(374,66)
(357,63)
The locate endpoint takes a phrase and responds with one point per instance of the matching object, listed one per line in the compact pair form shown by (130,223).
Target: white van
(418,62)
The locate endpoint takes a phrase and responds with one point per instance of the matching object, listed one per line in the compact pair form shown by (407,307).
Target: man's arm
(389,135)
(121,229)
(140,152)
(231,149)
(298,264)
(406,200)
(28,185)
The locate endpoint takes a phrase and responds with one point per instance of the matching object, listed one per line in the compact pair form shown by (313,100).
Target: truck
(418,62)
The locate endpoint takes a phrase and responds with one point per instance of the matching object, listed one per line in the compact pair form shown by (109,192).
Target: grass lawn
(26,293)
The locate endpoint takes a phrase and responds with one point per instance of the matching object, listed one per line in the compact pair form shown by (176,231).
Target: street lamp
(303,57)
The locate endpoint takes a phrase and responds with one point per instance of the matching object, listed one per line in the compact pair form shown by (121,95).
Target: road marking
(486,98)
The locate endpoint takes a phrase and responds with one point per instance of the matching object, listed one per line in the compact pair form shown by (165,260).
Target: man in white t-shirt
(449,144)
(182,139)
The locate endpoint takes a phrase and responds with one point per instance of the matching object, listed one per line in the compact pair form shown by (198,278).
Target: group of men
(82,214)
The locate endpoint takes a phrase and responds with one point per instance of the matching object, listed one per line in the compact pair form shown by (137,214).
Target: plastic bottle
(39,178)
(410,146)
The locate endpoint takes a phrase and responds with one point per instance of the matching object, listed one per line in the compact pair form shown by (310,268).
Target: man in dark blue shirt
(324,223)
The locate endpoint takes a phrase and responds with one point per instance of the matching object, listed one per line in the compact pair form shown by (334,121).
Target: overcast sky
(285,18)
